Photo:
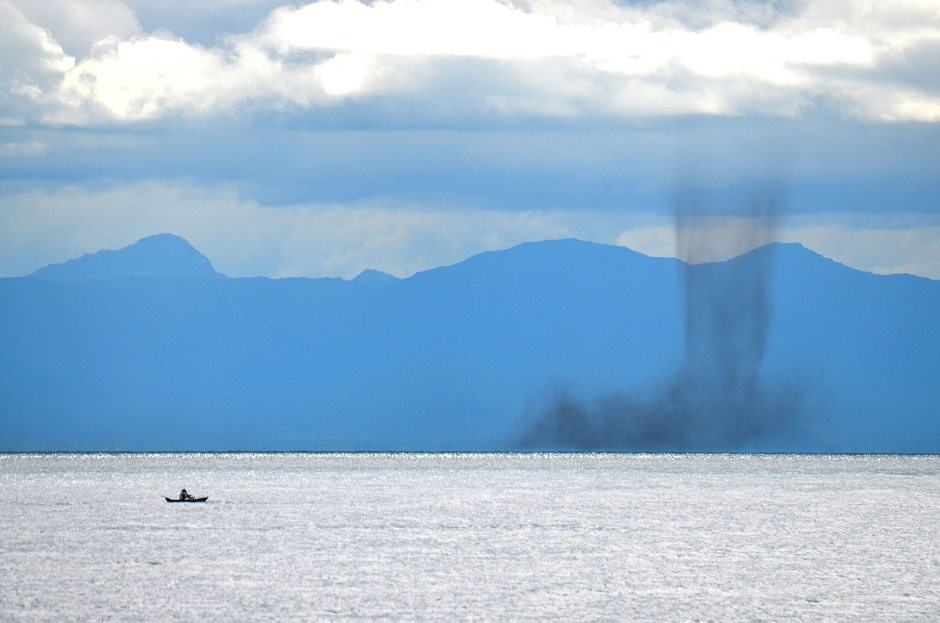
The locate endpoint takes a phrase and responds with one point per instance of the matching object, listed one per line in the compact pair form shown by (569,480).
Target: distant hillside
(160,255)
(374,276)
(542,345)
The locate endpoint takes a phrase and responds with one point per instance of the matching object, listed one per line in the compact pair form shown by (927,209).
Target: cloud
(543,58)
(77,24)
(28,52)
(243,238)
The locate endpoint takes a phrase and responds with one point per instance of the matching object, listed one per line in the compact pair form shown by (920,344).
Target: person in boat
(184,495)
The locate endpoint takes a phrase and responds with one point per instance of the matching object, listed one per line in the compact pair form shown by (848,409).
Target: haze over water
(504,537)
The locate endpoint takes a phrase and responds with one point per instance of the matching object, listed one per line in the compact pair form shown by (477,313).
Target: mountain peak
(372,276)
(164,255)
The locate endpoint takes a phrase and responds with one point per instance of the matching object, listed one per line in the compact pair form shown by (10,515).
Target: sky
(322,139)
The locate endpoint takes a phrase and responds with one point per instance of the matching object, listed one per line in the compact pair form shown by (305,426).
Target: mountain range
(559,345)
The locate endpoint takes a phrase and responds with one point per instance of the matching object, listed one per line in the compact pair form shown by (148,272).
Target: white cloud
(243,238)
(148,78)
(77,24)
(596,58)
(27,51)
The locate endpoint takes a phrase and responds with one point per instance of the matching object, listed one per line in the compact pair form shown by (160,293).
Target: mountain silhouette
(473,356)
(160,255)
(374,276)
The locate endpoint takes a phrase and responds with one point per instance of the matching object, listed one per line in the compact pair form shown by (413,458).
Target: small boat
(186,499)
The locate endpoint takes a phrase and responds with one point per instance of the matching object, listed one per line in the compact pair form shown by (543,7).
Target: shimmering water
(469,537)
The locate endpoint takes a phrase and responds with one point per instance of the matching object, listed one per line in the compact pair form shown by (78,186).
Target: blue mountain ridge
(461,357)
(158,255)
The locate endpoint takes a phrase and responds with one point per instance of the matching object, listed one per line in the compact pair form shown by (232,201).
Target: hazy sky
(325,138)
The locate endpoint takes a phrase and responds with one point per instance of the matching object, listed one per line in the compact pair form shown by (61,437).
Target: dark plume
(717,400)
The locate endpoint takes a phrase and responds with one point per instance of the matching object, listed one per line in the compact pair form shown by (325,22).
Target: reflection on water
(499,537)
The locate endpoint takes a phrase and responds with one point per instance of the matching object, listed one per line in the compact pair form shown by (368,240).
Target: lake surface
(399,537)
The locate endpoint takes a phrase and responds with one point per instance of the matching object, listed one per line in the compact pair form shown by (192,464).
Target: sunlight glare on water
(500,537)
